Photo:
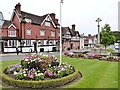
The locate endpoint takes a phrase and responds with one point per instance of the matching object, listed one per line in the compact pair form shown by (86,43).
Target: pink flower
(31,75)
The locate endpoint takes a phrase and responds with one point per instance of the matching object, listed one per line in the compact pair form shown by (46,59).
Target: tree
(107,37)
(110,50)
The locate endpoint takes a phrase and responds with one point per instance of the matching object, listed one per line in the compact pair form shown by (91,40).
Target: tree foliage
(107,37)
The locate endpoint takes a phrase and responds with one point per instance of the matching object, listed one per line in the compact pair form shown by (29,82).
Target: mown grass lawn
(96,74)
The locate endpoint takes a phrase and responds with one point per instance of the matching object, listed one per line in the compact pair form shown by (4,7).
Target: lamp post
(61,1)
(98,20)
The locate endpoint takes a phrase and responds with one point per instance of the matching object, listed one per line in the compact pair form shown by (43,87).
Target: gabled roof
(74,33)
(65,30)
(6,24)
(35,18)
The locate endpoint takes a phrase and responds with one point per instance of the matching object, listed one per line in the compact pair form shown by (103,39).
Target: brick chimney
(56,20)
(53,16)
(73,27)
(18,8)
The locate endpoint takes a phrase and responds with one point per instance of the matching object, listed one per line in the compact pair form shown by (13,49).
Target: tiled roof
(35,18)
(65,30)
(74,33)
(6,23)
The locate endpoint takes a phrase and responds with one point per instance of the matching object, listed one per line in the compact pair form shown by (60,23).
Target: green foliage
(61,74)
(110,50)
(20,76)
(107,37)
(40,84)
(110,58)
(117,35)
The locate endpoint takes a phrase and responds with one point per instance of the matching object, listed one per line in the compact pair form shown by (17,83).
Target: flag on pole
(61,1)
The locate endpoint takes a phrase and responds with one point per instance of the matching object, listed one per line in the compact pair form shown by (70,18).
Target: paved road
(14,56)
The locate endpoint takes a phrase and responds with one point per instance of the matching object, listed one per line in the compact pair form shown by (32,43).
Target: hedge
(41,84)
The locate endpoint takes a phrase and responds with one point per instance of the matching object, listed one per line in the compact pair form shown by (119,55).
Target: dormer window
(12,33)
(28,20)
(47,23)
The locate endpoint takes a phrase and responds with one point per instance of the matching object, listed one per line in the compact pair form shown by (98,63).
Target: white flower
(26,59)
(15,73)
(54,66)
(58,71)
(35,73)
(69,66)
(38,74)
(26,69)
(63,69)
(65,66)
(25,74)
(49,65)
(41,74)
(38,71)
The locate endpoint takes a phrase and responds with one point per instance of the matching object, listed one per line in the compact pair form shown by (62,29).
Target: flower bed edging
(41,84)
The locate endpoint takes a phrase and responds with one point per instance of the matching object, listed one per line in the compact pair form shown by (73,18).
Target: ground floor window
(28,42)
(12,43)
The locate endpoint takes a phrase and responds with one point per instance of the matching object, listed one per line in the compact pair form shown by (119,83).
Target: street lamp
(98,20)
(61,1)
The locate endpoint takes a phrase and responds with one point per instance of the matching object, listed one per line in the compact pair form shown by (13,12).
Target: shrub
(110,58)
(41,84)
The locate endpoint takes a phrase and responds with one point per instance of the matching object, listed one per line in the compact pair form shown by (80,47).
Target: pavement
(11,54)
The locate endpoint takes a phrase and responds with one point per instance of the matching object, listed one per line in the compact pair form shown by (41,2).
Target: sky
(82,13)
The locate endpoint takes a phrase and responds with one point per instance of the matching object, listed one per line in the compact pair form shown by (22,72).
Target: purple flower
(17,65)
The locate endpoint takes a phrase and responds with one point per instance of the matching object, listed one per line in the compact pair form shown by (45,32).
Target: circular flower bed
(39,67)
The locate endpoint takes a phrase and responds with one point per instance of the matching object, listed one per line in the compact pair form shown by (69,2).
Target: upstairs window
(12,33)
(52,33)
(42,32)
(28,20)
(28,31)
(47,23)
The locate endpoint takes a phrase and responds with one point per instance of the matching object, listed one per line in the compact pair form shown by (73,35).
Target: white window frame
(47,23)
(12,43)
(12,33)
(28,42)
(52,33)
(42,32)
(28,20)
(28,31)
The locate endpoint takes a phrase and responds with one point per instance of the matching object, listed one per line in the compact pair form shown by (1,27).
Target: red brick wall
(35,31)
(3,32)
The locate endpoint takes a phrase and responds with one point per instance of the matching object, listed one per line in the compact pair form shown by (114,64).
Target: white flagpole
(60,34)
